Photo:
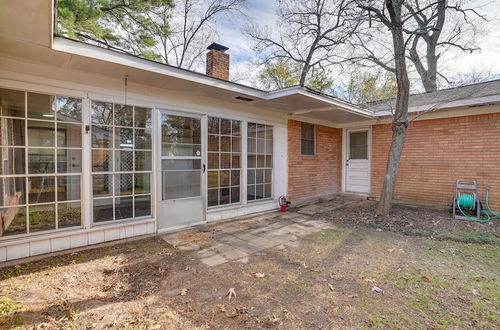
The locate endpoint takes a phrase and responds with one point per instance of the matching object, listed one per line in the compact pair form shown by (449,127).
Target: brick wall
(439,151)
(310,177)
(218,64)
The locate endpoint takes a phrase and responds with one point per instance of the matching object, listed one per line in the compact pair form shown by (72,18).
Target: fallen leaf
(221,308)
(377,289)
(231,293)
(331,287)
(353,296)
(378,229)
(475,292)
(425,278)
(183,292)
(258,275)
(370,280)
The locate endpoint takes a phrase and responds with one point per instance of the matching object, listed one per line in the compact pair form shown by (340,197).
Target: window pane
(13,221)
(358,145)
(41,106)
(142,183)
(225,126)
(251,176)
(213,143)
(41,189)
(269,161)
(261,146)
(177,149)
(225,143)
(181,136)
(12,132)
(235,144)
(307,131)
(224,178)
(123,115)
(261,131)
(68,109)
(124,138)
(124,208)
(41,133)
(12,191)
(269,147)
(142,206)
(259,191)
(213,125)
(269,132)
(252,130)
(124,161)
(181,184)
(68,188)
(102,137)
(102,113)
(307,147)
(142,138)
(213,197)
(102,185)
(252,161)
(41,161)
(69,135)
(235,194)
(259,176)
(250,192)
(213,161)
(69,160)
(267,191)
(236,128)
(143,160)
(225,160)
(213,179)
(69,215)
(268,176)
(224,196)
(235,178)
(102,160)
(11,103)
(235,162)
(261,161)
(42,217)
(143,117)
(252,146)
(123,184)
(180,164)
(13,161)
(103,209)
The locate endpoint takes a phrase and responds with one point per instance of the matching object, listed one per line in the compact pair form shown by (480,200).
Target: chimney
(218,61)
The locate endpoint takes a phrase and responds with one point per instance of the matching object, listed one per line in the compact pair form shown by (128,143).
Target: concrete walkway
(236,240)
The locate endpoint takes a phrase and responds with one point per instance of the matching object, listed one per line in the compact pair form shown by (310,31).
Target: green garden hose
(468,202)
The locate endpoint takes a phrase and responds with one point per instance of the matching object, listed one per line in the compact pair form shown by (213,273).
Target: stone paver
(237,240)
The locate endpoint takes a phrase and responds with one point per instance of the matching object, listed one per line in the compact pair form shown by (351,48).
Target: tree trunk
(400,119)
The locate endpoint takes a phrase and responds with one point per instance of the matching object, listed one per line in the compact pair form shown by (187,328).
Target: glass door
(182,171)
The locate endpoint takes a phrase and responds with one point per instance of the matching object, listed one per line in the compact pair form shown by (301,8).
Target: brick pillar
(218,61)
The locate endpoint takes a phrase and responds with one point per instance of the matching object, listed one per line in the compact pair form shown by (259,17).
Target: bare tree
(440,26)
(192,27)
(309,33)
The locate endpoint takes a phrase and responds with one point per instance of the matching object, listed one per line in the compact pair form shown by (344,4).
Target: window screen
(121,161)
(358,145)
(40,169)
(307,139)
(260,161)
(224,161)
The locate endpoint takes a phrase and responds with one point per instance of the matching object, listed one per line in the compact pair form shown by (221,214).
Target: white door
(182,171)
(357,167)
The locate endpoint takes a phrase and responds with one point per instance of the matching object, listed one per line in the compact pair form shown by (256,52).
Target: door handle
(347,162)
(203,167)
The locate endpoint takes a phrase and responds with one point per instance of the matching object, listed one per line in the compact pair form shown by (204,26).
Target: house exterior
(98,145)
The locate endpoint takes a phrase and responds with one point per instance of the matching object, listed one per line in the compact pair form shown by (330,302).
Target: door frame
(157,163)
(345,134)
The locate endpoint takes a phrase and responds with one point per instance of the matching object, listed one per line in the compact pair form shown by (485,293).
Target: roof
(469,95)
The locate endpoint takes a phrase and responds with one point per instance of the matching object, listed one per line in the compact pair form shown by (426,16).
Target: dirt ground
(413,269)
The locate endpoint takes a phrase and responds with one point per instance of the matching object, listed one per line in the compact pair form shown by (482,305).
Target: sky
(262,12)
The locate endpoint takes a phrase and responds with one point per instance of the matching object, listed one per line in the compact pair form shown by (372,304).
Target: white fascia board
(345,106)
(446,105)
(102,54)
(111,56)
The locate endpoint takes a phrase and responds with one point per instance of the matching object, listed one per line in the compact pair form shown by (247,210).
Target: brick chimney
(218,61)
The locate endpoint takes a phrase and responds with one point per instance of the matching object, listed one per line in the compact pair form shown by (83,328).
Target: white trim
(177,228)
(345,132)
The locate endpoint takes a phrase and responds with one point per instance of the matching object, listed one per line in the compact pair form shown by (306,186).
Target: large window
(260,161)
(121,161)
(40,168)
(307,139)
(224,161)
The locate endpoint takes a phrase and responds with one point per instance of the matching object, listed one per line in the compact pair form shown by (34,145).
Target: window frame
(302,139)
(56,174)
(114,172)
(248,168)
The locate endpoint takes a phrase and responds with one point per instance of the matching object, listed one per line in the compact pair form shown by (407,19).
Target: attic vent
(244,98)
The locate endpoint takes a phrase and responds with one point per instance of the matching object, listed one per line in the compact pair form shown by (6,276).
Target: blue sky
(263,12)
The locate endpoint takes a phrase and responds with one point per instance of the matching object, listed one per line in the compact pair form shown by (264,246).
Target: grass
(7,312)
